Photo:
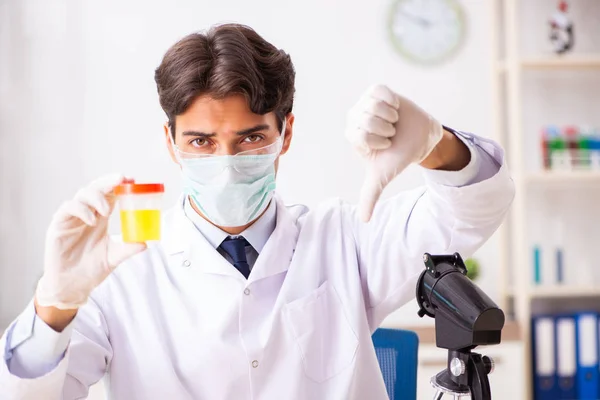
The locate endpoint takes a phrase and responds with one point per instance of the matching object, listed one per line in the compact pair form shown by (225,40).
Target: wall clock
(427,31)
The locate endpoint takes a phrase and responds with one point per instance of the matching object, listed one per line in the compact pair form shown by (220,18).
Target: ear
(288,132)
(169,142)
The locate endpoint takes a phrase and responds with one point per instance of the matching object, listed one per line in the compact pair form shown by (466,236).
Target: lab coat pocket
(323,333)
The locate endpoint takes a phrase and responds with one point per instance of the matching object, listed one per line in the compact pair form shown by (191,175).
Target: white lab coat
(179,322)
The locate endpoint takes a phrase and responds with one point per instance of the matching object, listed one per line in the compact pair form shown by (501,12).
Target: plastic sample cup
(139,205)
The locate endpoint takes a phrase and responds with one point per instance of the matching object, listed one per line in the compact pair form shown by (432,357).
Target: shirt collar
(259,232)
(256,234)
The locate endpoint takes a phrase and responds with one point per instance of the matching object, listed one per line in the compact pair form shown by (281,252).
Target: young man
(245,298)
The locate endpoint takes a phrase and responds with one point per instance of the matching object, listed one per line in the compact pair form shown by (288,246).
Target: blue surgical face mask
(231,190)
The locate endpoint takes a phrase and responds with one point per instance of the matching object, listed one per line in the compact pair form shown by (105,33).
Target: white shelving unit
(512,67)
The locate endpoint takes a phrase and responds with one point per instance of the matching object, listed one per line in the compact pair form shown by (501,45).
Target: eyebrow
(248,131)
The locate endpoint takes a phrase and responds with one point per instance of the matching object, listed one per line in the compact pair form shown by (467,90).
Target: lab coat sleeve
(33,348)
(83,364)
(436,218)
(468,174)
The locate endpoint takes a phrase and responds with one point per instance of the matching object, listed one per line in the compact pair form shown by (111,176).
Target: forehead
(230,114)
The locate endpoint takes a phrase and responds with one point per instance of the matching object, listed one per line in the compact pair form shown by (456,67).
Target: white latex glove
(391,132)
(79,253)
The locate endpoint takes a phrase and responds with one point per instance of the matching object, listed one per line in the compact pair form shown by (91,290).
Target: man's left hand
(391,132)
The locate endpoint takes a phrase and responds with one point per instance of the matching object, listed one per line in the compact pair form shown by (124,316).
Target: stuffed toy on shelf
(561,29)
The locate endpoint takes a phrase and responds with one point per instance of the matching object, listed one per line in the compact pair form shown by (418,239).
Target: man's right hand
(79,254)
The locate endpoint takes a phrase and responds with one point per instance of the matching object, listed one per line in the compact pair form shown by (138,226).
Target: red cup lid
(130,187)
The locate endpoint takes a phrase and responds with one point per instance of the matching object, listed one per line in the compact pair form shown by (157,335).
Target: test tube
(595,150)
(558,153)
(545,143)
(571,135)
(585,146)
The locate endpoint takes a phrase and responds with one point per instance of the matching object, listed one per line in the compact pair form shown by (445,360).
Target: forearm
(450,154)
(55,318)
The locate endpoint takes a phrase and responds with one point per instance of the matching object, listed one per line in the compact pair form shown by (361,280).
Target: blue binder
(587,356)
(566,356)
(544,360)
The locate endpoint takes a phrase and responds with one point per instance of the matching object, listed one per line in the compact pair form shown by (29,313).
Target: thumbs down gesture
(391,132)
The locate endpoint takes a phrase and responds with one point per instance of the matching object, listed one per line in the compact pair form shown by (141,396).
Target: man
(245,298)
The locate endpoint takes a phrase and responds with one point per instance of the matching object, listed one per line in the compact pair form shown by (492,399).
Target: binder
(587,356)
(566,357)
(543,344)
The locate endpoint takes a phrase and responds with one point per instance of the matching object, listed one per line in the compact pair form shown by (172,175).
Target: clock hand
(424,22)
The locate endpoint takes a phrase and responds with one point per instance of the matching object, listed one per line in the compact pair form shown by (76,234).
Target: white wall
(77,100)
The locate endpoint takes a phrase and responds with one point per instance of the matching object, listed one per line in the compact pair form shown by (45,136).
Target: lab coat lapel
(184,245)
(279,249)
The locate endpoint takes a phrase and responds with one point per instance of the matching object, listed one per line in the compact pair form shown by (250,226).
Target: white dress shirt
(256,234)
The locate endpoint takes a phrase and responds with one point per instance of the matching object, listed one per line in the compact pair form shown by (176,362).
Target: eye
(199,142)
(253,138)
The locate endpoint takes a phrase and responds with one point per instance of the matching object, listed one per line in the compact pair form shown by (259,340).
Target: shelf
(553,291)
(564,291)
(563,177)
(562,62)
(589,61)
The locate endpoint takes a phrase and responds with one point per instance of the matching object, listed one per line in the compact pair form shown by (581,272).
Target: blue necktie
(236,249)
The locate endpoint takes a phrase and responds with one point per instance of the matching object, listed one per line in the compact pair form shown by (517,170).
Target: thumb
(120,251)
(369,194)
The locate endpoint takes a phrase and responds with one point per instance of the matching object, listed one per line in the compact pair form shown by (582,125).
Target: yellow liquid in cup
(140,225)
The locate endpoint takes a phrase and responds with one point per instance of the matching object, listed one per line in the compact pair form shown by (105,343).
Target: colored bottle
(585,146)
(595,149)
(545,143)
(571,135)
(557,147)
(560,272)
(537,267)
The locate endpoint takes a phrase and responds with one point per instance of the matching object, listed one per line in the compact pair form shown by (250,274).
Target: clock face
(426,31)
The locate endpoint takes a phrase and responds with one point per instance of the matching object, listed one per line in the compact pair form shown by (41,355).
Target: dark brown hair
(226,60)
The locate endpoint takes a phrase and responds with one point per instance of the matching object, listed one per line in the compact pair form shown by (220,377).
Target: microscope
(465,317)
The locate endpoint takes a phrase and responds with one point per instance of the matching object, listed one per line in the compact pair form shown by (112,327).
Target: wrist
(55,318)
(450,154)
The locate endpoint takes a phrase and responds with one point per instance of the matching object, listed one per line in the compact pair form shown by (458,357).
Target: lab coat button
(186,263)
(255,364)
(246,291)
